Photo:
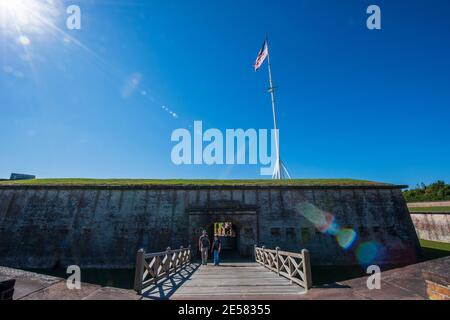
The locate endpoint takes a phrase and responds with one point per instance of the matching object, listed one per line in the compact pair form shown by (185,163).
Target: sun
(8,5)
(19,10)
(27,16)
(26,22)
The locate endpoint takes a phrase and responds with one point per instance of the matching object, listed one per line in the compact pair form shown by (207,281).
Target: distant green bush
(437,191)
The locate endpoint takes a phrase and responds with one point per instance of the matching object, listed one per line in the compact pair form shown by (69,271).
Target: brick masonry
(104,226)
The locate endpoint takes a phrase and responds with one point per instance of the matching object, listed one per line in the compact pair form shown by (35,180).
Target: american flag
(261,56)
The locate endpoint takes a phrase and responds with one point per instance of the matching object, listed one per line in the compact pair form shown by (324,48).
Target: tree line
(437,191)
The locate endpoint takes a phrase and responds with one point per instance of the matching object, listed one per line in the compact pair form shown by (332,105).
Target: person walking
(203,244)
(215,250)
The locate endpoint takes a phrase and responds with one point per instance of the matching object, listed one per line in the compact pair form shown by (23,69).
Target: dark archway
(230,242)
(244,221)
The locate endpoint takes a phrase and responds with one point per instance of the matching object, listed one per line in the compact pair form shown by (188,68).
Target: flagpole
(277,169)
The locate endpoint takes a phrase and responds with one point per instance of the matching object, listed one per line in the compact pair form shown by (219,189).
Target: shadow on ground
(166,288)
(433,253)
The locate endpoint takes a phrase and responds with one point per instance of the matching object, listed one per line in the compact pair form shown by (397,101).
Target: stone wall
(432,226)
(45,227)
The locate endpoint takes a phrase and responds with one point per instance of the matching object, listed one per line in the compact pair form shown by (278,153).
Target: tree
(437,191)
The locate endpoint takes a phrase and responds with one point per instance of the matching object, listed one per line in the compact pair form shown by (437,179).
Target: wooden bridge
(171,274)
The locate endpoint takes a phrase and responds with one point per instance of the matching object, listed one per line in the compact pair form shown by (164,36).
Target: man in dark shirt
(215,249)
(203,244)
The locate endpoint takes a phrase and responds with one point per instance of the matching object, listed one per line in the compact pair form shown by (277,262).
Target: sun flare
(27,16)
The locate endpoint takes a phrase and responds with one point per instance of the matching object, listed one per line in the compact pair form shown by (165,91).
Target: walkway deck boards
(231,280)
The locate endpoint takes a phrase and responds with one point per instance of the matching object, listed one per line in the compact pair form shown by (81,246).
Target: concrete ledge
(34,286)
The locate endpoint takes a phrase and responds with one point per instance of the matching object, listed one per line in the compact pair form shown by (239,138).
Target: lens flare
(24,40)
(367,252)
(323,221)
(346,238)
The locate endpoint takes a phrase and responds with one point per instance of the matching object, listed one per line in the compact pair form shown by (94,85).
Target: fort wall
(104,226)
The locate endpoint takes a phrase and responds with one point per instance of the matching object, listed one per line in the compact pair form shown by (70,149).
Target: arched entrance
(244,229)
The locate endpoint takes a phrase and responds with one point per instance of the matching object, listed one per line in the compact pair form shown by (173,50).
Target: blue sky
(352,102)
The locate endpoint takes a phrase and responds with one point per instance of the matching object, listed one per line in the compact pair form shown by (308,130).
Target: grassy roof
(445,209)
(181,182)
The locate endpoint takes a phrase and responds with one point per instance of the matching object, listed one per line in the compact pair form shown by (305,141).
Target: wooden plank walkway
(236,281)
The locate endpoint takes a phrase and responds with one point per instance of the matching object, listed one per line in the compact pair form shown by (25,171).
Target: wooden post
(168,261)
(254,253)
(184,255)
(290,268)
(140,257)
(307,269)
(264,255)
(277,260)
(181,255)
(190,254)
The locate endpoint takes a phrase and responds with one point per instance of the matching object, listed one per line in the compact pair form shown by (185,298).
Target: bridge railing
(294,266)
(152,267)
